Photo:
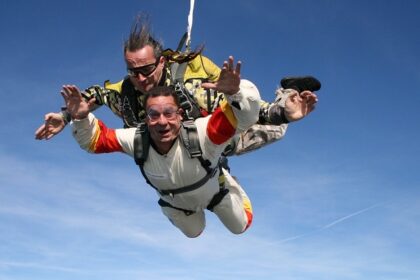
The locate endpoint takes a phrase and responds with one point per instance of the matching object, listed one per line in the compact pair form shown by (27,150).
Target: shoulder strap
(189,137)
(141,144)
(178,72)
(141,149)
(187,102)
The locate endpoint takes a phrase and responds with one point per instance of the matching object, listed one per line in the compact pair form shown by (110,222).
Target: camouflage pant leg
(257,136)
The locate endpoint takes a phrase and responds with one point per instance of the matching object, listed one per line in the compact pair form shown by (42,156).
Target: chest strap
(187,188)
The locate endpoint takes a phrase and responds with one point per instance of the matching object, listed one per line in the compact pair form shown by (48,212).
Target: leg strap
(163,203)
(213,202)
(217,198)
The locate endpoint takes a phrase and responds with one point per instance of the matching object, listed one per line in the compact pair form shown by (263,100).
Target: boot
(301,83)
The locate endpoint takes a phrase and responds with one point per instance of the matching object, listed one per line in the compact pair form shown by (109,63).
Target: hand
(77,107)
(229,80)
(54,124)
(298,106)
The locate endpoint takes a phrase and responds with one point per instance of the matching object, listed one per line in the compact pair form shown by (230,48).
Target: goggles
(144,70)
(170,113)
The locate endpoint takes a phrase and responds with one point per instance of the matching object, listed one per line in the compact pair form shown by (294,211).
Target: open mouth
(164,132)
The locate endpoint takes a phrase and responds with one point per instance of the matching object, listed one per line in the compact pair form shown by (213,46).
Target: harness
(187,103)
(189,138)
(178,68)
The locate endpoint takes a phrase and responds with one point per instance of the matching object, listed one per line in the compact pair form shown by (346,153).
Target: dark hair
(162,91)
(140,36)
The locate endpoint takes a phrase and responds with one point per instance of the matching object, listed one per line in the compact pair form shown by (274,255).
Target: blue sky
(337,198)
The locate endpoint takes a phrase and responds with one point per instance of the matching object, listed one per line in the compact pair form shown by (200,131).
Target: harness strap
(189,137)
(178,71)
(217,198)
(163,203)
(130,105)
(141,144)
(141,148)
(182,42)
(187,102)
(188,188)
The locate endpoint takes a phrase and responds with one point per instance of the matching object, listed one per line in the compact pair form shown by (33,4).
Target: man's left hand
(229,80)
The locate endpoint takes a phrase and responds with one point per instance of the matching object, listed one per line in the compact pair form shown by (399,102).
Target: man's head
(143,56)
(163,117)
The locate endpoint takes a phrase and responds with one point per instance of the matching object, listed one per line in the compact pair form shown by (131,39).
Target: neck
(162,78)
(163,148)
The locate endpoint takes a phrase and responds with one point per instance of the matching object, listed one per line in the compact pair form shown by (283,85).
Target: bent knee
(240,228)
(192,234)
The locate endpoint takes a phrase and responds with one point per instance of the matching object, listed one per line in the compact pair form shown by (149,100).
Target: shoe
(301,83)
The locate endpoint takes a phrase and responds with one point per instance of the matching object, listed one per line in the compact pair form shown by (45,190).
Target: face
(163,120)
(145,70)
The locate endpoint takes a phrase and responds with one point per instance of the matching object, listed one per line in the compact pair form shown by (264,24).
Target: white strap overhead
(190,24)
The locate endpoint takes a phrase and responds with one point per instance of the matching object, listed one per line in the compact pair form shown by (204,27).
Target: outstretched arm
(92,134)
(238,111)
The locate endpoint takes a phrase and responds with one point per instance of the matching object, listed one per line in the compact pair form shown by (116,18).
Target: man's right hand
(54,124)
(76,105)
(300,105)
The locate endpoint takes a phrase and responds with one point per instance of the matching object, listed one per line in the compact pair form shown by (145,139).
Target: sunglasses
(169,113)
(145,70)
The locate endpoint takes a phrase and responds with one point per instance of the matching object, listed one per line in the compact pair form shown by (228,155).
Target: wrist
(79,116)
(237,96)
(277,115)
(283,116)
(65,115)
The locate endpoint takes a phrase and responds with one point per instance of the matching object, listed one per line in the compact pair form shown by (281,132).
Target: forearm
(244,105)
(235,114)
(275,113)
(94,137)
(85,131)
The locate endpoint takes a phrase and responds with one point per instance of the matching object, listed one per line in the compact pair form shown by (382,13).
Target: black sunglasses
(144,70)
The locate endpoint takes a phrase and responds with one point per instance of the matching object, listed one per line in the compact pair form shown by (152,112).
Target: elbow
(252,104)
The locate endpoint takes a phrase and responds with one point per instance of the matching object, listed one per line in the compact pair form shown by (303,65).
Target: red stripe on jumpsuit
(107,141)
(249,215)
(219,128)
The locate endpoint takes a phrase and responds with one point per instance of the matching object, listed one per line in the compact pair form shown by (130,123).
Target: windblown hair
(140,36)
(162,91)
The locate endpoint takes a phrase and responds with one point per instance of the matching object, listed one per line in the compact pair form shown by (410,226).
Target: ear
(181,114)
(162,59)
